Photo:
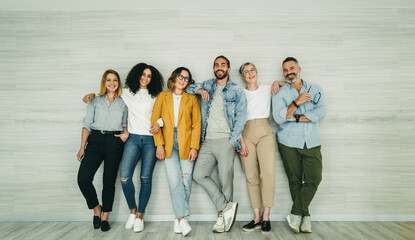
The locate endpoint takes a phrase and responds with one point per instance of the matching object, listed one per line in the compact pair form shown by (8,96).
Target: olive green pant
(304,169)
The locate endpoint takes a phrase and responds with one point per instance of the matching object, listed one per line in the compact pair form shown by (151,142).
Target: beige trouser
(259,164)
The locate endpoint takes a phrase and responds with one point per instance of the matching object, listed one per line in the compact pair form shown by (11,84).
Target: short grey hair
(244,65)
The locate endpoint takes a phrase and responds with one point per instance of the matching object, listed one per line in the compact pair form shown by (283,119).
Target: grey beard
(291,81)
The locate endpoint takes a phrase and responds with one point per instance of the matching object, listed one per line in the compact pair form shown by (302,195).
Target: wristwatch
(297,118)
(295,104)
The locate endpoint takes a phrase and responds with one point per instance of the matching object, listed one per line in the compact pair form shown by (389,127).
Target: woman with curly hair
(143,84)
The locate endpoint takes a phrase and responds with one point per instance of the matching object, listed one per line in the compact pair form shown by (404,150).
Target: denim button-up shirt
(101,115)
(234,101)
(291,133)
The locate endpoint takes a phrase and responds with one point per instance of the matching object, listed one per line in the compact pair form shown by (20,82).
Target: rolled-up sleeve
(193,88)
(279,108)
(320,110)
(125,116)
(90,112)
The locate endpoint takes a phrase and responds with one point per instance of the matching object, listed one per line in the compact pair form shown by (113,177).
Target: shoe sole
(250,229)
(306,231)
(185,234)
(289,224)
(233,217)
(263,232)
(215,231)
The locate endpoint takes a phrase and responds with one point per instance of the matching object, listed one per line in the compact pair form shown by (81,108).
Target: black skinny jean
(101,147)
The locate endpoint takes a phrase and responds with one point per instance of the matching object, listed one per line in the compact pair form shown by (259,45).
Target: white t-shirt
(176,100)
(259,102)
(140,107)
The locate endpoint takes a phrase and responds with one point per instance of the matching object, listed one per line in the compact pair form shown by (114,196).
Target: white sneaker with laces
(229,215)
(138,225)
(306,225)
(219,226)
(294,221)
(130,222)
(176,227)
(184,225)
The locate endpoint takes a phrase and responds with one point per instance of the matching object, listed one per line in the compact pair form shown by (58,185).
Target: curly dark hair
(172,79)
(133,80)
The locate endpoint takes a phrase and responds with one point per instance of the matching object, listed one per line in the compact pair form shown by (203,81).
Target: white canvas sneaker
(294,221)
(219,226)
(184,225)
(130,222)
(138,225)
(229,215)
(306,225)
(176,227)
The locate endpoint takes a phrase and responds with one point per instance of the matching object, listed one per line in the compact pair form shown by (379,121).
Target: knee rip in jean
(186,174)
(124,179)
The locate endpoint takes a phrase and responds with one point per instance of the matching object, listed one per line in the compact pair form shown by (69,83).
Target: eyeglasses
(186,79)
(318,99)
(246,72)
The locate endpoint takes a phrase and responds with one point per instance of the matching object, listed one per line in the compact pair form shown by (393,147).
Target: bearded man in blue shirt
(297,108)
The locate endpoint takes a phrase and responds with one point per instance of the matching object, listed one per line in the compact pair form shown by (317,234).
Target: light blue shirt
(101,115)
(291,133)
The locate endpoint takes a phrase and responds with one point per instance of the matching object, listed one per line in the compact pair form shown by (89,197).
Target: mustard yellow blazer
(188,127)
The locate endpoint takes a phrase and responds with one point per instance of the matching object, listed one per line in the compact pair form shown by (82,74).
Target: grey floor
(202,230)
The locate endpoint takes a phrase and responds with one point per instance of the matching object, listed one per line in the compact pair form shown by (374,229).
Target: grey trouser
(221,153)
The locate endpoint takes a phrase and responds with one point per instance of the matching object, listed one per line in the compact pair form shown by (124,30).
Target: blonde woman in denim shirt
(103,127)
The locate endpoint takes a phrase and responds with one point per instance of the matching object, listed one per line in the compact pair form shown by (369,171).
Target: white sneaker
(130,222)
(184,225)
(229,215)
(176,227)
(138,225)
(294,222)
(219,226)
(306,225)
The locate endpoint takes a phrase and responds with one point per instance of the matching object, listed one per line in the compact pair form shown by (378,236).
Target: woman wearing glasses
(258,149)
(178,141)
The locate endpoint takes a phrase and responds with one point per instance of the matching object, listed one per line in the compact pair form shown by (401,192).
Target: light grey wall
(191,4)
(362,57)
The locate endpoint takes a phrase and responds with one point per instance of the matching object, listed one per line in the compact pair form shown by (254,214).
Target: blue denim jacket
(235,103)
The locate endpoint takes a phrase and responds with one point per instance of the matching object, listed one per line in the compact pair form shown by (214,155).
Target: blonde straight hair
(103,90)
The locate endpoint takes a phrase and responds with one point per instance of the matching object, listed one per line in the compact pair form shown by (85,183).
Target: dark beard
(220,78)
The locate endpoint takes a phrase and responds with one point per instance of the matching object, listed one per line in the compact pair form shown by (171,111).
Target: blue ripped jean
(136,146)
(179,175)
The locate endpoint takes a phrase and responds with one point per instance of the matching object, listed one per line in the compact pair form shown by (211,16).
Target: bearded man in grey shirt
(223,119)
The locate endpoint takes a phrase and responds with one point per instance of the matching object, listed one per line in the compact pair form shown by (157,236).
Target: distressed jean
(179,175)
(136,146)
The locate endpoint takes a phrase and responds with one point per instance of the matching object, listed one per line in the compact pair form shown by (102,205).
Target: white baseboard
(204,218)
